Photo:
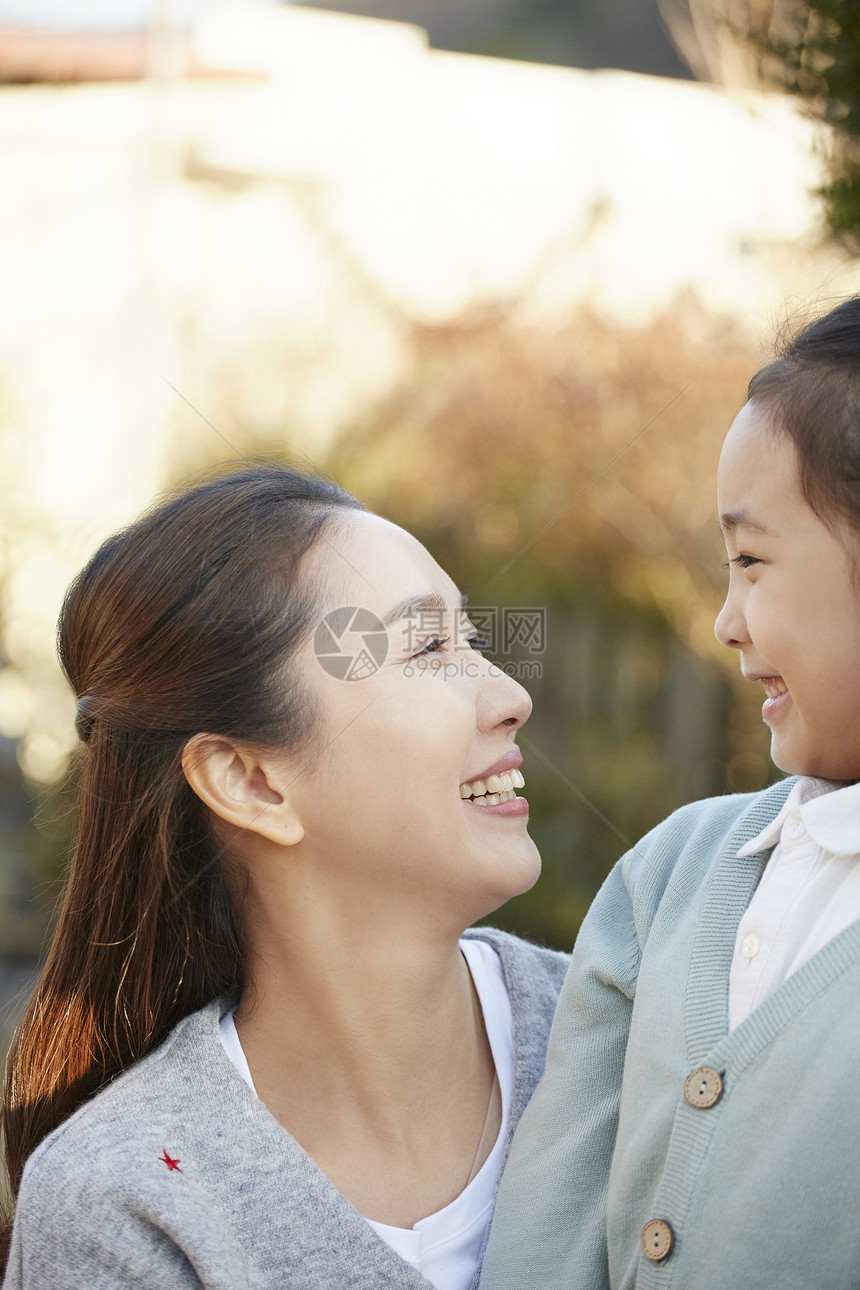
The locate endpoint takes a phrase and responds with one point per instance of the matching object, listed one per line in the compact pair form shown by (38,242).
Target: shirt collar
(830,811)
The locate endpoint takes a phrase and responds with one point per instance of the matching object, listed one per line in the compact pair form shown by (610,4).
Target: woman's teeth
(497,788)
(774,686)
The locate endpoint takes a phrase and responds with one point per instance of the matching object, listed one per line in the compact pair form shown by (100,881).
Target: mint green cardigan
(761,1190)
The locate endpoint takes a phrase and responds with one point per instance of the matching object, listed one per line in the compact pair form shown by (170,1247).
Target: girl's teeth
(517,780)
(774,686)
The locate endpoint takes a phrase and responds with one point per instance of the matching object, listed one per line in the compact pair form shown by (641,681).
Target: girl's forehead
(758,468)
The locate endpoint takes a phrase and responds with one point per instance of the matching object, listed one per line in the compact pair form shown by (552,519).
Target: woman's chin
(518,877)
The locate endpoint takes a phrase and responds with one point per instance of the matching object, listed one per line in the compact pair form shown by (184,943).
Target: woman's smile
(494,790)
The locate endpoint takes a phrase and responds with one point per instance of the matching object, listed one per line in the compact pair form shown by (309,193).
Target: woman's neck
(370,1049)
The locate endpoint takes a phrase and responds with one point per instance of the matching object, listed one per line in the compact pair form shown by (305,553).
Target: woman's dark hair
(184,623)
(811,392)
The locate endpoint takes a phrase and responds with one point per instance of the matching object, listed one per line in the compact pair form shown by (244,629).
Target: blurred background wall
(509,287)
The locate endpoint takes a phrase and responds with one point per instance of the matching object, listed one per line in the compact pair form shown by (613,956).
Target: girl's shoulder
(710,825)
(678,857)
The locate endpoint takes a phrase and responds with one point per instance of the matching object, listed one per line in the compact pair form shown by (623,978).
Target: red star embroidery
(171,1164)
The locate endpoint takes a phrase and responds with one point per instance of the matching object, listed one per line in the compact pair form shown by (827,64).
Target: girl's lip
(772,707)
(515,807)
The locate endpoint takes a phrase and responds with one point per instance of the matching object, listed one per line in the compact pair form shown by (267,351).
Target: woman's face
(379,791)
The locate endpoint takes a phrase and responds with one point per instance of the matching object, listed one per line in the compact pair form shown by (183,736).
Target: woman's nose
(730,627)
(502,701)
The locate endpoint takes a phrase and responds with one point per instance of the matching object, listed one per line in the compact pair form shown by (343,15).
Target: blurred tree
(808,47)
(813,49)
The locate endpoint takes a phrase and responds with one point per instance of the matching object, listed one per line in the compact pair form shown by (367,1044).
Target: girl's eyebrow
(732,520)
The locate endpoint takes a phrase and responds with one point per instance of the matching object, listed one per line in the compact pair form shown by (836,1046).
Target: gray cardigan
(176,1176)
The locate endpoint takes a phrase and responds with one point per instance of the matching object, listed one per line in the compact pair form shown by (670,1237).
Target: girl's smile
(792,609)
(776,696)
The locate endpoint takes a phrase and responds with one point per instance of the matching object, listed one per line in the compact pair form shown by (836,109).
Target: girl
(262,1053)
(699,1124)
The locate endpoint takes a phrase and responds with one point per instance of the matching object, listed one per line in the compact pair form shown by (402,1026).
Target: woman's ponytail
(184,623)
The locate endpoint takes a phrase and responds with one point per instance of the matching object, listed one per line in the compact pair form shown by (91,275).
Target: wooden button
(703,1088)
(657,1240)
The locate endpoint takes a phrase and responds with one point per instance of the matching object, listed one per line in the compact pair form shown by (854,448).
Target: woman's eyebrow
(411,606)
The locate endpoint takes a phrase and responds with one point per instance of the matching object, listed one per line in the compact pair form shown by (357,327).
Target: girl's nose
(730,627)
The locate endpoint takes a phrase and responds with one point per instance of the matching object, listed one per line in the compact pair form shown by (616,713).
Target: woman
(261,1052)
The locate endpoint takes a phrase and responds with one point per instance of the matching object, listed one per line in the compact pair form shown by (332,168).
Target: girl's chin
(792,761)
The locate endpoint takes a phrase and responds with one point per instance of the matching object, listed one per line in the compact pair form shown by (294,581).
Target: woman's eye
(432,647)
(435,645)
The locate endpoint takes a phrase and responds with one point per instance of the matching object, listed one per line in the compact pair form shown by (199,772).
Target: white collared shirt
(808,893)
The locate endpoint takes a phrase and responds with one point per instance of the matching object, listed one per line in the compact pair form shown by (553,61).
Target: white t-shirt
(445,1246)
(808,893)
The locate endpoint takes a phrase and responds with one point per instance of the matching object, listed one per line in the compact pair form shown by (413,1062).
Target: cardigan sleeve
(549,1229)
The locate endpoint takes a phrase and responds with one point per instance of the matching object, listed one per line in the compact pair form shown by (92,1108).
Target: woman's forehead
(377,563)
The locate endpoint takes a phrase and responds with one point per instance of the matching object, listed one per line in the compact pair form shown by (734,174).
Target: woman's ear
(241,788)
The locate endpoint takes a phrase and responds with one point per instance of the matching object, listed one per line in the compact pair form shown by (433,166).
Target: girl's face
(793,608)
(379,794)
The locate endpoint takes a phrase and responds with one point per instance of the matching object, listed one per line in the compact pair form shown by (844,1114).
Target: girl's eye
(743,561)
(478,642)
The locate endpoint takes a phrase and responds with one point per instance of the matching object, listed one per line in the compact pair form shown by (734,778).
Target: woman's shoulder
(136,1159)
(528,969)
(140,1105)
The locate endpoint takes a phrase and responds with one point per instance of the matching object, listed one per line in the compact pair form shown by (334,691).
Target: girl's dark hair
(184,623)
(811,392)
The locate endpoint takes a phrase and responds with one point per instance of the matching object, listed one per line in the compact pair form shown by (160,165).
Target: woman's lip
(514,806)
(512,760)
